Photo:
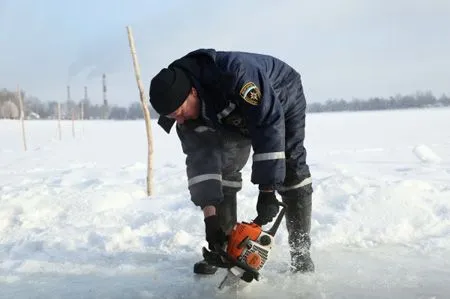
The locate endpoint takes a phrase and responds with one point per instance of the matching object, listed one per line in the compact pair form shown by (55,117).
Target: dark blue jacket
(253,94)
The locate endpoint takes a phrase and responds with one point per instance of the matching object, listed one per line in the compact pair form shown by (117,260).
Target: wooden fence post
(59,120)
(22,116)
(73,122)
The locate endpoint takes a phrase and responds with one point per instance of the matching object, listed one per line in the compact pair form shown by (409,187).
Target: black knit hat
(168,90)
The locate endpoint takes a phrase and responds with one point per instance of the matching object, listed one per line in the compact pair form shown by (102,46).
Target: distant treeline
(418,100)
(35,108)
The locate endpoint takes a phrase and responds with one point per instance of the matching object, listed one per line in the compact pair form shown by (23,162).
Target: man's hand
(267,207)
(214,234)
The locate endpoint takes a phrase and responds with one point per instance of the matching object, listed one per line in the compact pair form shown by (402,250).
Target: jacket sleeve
(202,147)
(265,120)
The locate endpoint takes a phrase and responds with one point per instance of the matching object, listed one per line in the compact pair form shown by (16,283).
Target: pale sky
(342,48)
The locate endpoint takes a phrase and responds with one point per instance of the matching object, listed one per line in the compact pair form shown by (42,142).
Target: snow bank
(426,154)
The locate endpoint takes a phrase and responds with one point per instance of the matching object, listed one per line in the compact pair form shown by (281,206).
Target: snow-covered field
(75,221)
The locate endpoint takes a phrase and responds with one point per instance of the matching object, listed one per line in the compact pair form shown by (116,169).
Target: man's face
(190,109)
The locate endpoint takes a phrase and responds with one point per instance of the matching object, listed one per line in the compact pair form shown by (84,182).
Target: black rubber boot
(227,217)
(203,267)
(298,224)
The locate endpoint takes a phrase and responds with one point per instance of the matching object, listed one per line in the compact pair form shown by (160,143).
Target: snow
(426,155)
(75,221)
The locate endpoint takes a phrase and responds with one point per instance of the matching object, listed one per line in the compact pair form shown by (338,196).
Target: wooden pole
(82,116)
(22,116)
(73,122)
(59,120)
(137,72)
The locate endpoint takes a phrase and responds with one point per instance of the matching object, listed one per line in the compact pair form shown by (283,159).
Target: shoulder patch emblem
(251,93)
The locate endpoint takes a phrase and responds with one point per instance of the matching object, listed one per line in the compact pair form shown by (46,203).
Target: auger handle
(277,222)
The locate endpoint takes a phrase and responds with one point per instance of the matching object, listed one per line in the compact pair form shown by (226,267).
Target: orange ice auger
(247,250)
